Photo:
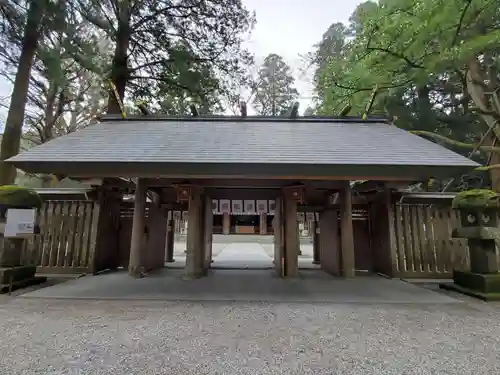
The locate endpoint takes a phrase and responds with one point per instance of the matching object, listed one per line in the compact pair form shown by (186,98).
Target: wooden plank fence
(67,243)
(424,246)
(67,238)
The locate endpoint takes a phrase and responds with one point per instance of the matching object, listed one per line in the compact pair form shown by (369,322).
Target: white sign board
(237,206)
(249,207)
(215,206)
(272,207)
(225,206)
(19,222)
(262,207)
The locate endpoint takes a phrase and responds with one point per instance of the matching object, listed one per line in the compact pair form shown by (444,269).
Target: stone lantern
(13,199)
(479,211)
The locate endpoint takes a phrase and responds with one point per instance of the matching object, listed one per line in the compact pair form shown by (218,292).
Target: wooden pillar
(383,235)
(208,232)
(263,223)
(346,232)
(154,252)
(329,241)
(170,238)
(299,251)
(291,239)
(226,223)
(278,237)
(314,228)
(194,243)
(135,266)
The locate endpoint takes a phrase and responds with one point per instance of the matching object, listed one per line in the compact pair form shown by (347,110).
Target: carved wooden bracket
(186,191)
(296,193)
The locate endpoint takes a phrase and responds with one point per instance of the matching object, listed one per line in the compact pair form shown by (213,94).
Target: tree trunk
(119,66)
(424,106)
(11,139)
(476,81)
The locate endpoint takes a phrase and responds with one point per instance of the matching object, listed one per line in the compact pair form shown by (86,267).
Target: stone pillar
(347,232)
(194,244)
(263,223)
(170,238)
(291,239)
(208,232)
(226,223)
(135,266)
(314,228)
(329,242)
(478,222)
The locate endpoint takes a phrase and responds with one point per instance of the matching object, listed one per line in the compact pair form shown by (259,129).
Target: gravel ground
(82,337)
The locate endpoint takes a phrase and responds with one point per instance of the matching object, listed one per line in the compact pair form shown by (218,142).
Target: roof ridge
(211,118)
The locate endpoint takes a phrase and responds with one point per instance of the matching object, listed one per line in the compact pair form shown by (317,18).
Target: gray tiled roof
(266,142)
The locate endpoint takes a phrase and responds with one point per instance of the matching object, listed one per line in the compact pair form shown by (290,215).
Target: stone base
(20,277)
(483,286)
(482,282)
(469,292)
(15,274)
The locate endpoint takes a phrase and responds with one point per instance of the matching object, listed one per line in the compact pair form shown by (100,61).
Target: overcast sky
(291,27)
(286,27)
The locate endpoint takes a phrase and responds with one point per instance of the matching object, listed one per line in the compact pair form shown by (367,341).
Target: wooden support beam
(195,246)
(226,223)
(329,242)
(292,246)
(243,193)
(170,238)
(279,238)
(138,229)
(315,236)
(208,225)
(347,232)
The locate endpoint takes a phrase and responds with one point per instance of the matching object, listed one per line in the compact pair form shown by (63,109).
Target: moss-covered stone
(484,283)
(17,274)
(477,198)
(19,197)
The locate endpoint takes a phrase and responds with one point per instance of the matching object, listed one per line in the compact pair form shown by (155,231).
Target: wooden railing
(67,238)
(424,246)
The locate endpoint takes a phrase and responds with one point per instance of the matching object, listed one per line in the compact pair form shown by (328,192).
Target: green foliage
(19,197)
(418,53)
(477,198)
(172,53)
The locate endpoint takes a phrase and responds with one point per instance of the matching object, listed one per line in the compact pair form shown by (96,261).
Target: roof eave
(248,170)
